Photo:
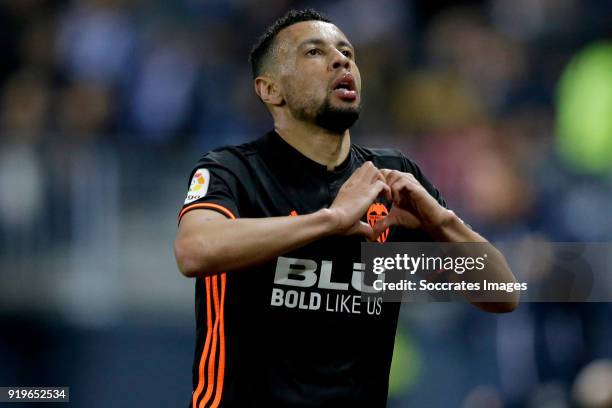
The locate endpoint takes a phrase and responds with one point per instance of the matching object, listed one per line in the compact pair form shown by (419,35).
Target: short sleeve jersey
(292,332)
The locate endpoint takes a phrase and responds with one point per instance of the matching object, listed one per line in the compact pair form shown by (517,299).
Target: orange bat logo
(378,211)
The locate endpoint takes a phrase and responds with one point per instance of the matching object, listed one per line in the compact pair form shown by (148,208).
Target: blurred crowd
(505,105)
(468,89)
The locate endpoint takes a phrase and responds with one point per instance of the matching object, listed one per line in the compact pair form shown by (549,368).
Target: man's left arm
(414,207)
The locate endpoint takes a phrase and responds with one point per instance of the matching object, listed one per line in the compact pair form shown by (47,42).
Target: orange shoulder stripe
(210,206)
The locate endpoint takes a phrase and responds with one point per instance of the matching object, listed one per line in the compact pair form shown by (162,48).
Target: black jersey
(292,332)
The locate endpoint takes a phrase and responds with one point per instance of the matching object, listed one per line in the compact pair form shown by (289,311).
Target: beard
(335,119)
(331,118)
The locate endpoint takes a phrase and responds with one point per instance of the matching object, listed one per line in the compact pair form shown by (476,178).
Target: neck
(318,144)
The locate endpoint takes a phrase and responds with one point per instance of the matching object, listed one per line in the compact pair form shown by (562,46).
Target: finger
(404,218)
(368,164)
(386,193)
(399,190)
(368,167)
(370,172)
(375,174)
(405,189)
(410,177)
(365,230)
(411,194)
(382,225)
(394,175)
(381,189)
(363,169)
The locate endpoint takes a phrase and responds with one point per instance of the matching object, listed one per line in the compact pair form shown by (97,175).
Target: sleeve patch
(199,185)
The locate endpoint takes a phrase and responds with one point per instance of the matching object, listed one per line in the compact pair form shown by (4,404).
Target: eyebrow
(318,41)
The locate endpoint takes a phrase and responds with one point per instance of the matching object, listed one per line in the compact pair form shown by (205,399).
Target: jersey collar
(278,151)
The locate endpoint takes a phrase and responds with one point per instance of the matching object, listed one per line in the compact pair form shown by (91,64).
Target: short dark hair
(261,49)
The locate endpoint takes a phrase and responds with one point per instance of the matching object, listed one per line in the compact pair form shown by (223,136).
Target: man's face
(318,74)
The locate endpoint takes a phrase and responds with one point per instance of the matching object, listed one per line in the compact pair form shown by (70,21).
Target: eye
(313,51)
(347,53)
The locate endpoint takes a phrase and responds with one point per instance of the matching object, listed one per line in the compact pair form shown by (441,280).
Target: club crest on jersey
(199,185)
(378,211)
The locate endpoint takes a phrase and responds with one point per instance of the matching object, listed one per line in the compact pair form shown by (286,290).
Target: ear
(268,90)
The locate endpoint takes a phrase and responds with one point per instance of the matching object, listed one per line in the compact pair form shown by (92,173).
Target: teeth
(345,85)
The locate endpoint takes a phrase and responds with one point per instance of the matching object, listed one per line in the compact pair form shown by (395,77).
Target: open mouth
(344,87)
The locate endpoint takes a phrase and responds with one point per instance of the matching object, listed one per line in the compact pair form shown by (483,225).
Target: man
(272,231)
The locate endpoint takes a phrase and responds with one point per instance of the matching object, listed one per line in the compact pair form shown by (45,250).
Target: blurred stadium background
(105,105)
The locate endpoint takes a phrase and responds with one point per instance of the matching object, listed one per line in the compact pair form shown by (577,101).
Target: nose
(339,60)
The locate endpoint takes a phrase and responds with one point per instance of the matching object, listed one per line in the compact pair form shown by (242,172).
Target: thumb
(382,225)
(404,218)
(364,229)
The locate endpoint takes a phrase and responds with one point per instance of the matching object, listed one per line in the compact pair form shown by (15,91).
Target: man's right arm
(209,243)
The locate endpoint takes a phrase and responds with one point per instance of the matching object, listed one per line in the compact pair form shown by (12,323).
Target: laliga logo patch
(199,185)
(378,211)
